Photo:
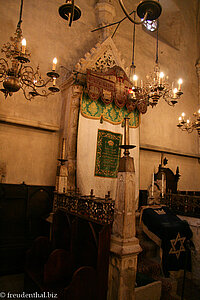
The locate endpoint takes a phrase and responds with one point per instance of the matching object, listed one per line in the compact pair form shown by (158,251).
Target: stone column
(198,76)
(124,245)
(105,14)
(71,133)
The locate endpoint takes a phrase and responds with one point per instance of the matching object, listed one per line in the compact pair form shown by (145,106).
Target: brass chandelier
(189,126)
(154,87)
(157,84)
(16,73)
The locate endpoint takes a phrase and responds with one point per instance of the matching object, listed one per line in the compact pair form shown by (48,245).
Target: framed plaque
(107,153)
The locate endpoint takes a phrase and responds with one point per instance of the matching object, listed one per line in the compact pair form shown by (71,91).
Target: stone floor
(14,284)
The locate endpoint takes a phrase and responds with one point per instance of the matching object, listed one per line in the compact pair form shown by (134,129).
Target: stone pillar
(105,14)
(71,133)
(198,76)
(124,245)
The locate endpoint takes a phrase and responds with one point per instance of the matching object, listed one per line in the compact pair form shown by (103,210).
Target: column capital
(105,14)
(76,90)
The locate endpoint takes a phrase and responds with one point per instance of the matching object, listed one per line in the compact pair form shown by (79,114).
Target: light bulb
(183,114)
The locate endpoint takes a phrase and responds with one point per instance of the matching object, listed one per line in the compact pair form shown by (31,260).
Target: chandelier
(16,73)
(157,85)
(137,94)
(189,126)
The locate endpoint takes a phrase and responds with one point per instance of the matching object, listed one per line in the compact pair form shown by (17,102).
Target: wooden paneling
(21,210)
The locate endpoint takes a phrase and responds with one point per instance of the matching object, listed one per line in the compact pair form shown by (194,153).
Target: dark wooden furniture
(21,210)
(74,264)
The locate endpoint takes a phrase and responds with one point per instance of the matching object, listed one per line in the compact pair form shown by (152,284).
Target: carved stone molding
(122,275)
(104,55)
(198,76)
(105,14)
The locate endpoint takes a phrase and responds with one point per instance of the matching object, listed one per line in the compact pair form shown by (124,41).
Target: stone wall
(29,154)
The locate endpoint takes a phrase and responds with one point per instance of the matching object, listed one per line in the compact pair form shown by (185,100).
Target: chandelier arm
(25,95)
(27,82)
(189,130)
(128,16)
(34,93)
(28,75)
(3,67)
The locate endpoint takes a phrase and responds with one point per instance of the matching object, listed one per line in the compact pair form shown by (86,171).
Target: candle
(179,119)
(161,77)
(175,91)
(152,185)
(180,81)
(126,132)
(63,149)
(135,78)
(23,46)
(54,81)
(54,64)
(183,115)
(162,188)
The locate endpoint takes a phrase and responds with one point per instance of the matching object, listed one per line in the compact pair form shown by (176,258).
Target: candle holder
(62,160)
(126,145)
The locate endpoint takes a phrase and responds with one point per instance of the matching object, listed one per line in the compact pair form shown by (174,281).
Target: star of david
(173,250)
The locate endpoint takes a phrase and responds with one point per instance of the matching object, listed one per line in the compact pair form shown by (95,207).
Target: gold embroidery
(173,250)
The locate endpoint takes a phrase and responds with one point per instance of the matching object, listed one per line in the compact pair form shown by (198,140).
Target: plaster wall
(86,151)
(178,54)
(28,154)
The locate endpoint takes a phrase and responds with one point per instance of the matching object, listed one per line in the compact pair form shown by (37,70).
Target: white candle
(175,91)
(135,78)
(23,46)
(63,149)
(161,76)
(54,81)
(162,188)
(152,185)
(54,64)
(180,81)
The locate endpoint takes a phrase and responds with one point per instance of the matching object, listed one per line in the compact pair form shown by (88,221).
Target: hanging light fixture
(137,95)
(157,84)
(69,11)
(187,125)
(146,10)
(16,73)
